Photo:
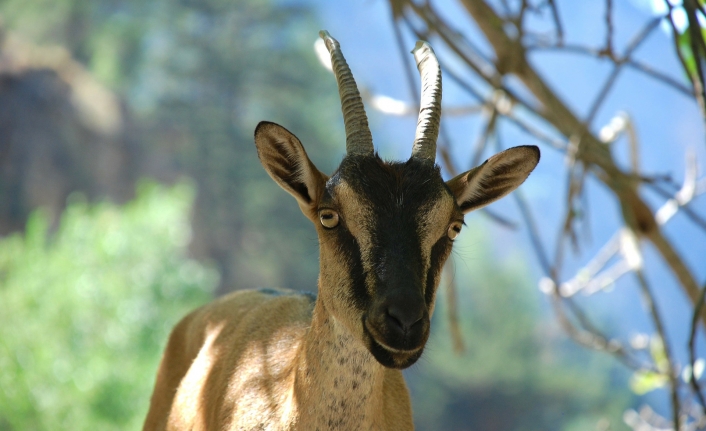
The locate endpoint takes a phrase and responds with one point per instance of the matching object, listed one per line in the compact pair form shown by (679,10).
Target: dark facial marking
(400,197)
(396,192)
(349,248)
(439,253)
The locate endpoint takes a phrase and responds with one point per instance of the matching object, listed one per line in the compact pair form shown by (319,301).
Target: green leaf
(684,46)
(659,355)
(643,382)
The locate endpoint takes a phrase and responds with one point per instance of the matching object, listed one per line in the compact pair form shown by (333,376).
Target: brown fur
(227,368)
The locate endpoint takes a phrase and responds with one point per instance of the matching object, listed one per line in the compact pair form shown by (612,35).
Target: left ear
(283,157)
(496,177)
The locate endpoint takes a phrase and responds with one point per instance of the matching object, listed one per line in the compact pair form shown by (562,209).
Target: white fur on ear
(495,178)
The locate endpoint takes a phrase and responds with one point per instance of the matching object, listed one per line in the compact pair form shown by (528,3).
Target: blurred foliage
(199,76)
(85,311)
(519,371)
(644,381)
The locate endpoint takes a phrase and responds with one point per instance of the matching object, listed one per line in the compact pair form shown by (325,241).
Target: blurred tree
(84,312)
(60,132)
(199,76)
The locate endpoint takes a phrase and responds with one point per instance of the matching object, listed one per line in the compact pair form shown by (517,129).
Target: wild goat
(281,360)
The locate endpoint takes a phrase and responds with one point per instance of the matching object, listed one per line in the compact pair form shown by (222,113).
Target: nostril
(394,320)
(403,318)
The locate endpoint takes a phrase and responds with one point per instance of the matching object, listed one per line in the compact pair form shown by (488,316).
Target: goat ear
(496,177)
(283,157)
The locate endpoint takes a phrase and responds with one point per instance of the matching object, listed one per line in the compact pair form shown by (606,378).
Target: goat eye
(329,218)
(454,230)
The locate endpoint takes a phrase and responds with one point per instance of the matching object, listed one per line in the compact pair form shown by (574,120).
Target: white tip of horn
(421,50)
(418,46)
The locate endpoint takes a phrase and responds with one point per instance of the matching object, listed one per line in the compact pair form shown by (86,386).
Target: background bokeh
(131,193)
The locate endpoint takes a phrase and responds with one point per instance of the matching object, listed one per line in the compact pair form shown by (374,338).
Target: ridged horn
(359,140)
(424,146)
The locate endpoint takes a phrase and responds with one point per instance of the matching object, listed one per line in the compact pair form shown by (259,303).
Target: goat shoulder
(233,358)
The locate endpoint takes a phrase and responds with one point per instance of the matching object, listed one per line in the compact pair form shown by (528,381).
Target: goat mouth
(388,356)
(396,343)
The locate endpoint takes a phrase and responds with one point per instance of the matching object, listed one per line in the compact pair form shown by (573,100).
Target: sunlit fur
(280,360)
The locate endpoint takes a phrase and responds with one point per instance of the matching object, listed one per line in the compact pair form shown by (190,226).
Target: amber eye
(329,218)
(454,230)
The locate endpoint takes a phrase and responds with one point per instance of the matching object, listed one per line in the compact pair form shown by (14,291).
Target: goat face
(385,231)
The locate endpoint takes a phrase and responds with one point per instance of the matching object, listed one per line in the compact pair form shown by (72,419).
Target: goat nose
(403,318)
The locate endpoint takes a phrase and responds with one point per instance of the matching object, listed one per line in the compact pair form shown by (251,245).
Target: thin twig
(640,37)
(525,127)
(472,56)
(693,380)
(506,7)
(451,289)
(520,18)
(668,80)
(452,301)
(603,93)
(609,28)
(593,340)
(573,190)
(557,22)
(631,63)
(406,65)
(448,164)
(696,218)
(533,231)
(482,141)
(632,46)
(529,222)
(659,327)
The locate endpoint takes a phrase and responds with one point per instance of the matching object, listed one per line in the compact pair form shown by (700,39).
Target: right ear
(495,178)
(283,157)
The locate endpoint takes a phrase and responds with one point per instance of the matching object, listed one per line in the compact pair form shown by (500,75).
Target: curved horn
(424,146)
(358,137)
